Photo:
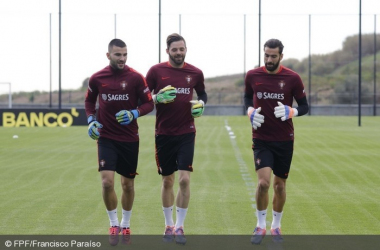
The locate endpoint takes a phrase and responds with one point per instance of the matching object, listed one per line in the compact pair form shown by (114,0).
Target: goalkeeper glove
(125,117)
(93,127)
(197,108)
(284,111)
(165,95)
(255,118)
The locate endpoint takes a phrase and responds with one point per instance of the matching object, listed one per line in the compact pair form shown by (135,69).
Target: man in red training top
(173,83)
(268,97)
(123,97)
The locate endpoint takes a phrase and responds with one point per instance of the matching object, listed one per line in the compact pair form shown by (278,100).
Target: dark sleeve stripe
(248,101)
(303,106)
(202,96)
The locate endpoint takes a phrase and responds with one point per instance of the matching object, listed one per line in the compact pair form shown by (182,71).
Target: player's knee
(184,182)
(107,184)
(279,188)
(263,186)
(167,183)
(127,187)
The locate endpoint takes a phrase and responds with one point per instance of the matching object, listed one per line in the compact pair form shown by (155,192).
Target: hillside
(222,89)
(334,79)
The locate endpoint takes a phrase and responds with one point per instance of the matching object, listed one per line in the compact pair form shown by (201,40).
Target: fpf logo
(102,163)
(188,79)
(281,84)
(123,85)
(258,161)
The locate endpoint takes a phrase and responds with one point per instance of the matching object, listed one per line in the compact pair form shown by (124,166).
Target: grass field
(50,183)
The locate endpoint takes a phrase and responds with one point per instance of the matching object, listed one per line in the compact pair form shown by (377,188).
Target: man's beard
(115,65)
(176,61)
(272,67)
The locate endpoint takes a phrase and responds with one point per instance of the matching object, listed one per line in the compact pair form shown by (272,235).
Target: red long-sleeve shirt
(118,90)
(268,89)
(175,118)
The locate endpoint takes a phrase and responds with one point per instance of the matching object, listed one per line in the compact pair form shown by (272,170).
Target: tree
(85,83)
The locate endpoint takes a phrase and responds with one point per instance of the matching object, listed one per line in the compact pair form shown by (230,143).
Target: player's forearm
(145,108)
(303,106)
(248,101)
(90,108)
(203,96)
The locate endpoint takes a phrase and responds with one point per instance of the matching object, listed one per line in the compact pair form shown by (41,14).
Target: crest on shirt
(104,97)
(281,84)
(188,79)
(123,85)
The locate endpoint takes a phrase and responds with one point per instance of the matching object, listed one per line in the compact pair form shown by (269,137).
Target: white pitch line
(242,166)
(243,169)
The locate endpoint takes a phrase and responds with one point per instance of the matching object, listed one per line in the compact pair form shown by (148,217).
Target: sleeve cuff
(91,118)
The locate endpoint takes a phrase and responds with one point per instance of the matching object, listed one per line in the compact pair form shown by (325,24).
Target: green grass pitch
(50,183)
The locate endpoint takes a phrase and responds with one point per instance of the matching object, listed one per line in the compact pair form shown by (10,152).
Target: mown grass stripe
(49,180)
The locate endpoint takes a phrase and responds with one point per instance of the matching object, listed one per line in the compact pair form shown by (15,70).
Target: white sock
(112,215)
(261,218)
(276,219)
(181,215)
(125,221)
(168,213)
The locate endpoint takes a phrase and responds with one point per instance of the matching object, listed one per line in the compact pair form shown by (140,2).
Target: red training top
(268,89)
(118,90)
(175,118)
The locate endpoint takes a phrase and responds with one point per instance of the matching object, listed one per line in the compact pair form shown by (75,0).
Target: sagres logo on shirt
(183,91)
(115,97)
(267,95)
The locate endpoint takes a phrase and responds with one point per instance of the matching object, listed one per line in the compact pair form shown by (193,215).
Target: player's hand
(125,117)
(255,118)
(284,111)
(93,129)
(165,95)
(197,108)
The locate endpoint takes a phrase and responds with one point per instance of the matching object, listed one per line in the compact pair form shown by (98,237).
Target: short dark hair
(274,43)
(116,42)
(174,38)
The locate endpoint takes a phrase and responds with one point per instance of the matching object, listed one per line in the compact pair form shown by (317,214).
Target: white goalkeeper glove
(255,118)
(125,117)
(93,127)
(197,108)
(285,112)
(165,95)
